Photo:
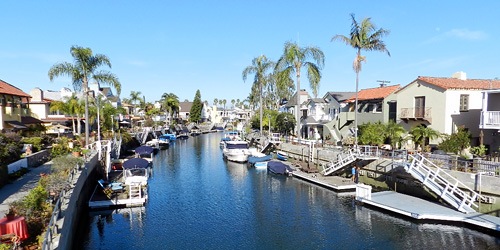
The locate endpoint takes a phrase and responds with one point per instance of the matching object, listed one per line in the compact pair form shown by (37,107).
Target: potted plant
(76,151)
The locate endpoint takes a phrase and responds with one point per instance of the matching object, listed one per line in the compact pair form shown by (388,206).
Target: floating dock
(420,209)
(336,183)
(100,200)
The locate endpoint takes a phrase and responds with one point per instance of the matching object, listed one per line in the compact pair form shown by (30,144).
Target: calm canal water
(199,201)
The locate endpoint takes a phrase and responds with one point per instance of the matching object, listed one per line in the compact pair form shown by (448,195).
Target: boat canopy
(144,150)
(135,163)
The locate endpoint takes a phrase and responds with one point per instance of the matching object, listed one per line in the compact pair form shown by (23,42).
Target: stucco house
(444,103)
(14,105)
(374,105)
(291,107)
(489,122)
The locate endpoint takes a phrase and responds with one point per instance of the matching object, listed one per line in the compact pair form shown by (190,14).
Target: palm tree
(134,97)
(260,66)
(394,132)
(420,134)
(216,101)
(292,60)
(85,67)
(170,102)
(363,36)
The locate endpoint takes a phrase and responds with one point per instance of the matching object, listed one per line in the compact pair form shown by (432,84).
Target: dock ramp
(451,190)
(343,160)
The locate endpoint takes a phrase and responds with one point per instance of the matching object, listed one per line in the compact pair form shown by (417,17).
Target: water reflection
(199,201)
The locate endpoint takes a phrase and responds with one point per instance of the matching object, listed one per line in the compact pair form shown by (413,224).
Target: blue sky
(158,47)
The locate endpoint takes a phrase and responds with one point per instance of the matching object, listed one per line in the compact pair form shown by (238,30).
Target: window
(464,103)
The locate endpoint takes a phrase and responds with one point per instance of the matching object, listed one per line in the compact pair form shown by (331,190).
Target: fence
(456,163)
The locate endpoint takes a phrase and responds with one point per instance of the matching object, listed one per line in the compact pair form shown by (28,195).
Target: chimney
(459,75)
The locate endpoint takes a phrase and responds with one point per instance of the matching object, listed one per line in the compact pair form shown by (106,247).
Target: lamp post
(269,118)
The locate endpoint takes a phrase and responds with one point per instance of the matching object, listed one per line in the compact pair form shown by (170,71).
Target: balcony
(490,120)
(416,114)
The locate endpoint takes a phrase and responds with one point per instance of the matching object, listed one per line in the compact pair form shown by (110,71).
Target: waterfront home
(489,121)
(14,105)
(444,104)
(291,107)
(374,105)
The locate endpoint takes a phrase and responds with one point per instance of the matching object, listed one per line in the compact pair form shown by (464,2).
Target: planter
(76,154)
(10,217)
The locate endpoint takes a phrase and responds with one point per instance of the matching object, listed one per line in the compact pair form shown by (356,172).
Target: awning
(16,124)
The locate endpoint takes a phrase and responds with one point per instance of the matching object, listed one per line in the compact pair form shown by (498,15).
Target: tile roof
(374,93)
(455,83)
(8,89)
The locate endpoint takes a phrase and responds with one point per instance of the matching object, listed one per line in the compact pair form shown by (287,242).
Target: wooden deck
(336,183)
(420,209)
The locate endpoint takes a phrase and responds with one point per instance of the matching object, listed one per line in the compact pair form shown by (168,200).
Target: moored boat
(236,151)
(258,157)
(261,165)
(282,156)
(163,142)
(278,167)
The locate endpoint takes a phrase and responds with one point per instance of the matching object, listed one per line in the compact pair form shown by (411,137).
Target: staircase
(441,183)
(343,160)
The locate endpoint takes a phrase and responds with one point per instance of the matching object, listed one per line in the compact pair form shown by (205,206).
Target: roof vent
(459,75)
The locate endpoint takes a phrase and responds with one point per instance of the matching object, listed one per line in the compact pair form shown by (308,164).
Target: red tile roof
(8,89)
(374,93)
(455,83)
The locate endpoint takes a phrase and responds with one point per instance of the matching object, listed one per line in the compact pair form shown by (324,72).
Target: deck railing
(490,119)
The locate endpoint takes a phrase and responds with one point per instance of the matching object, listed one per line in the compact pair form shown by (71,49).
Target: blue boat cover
(278,167)
(135,163)
(254,159)
(144,150)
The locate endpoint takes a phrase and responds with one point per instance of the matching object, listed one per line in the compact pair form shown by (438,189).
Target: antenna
(383,83)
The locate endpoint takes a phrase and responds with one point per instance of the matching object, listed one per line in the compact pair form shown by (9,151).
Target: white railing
(490,119)
(343,159)
(448,187)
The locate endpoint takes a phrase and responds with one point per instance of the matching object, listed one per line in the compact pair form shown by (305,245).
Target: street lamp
(112,125)
(269,118)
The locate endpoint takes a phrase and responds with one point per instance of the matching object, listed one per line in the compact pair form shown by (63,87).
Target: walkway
(20,187)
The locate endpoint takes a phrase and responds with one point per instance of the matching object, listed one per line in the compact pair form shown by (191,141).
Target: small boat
(195,132)
(223,141)
(236,151)
(155,144)
(260,165)
(182,136)
(258,157)
(282,156)
(278,167)
(170,137)
(145,152)
(135,171)
(163,142)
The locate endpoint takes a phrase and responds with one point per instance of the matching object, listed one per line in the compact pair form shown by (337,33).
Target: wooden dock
(99,200)
(420,209)
(336,183)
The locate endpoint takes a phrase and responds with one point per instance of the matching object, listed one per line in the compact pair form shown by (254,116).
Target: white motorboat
(236,151)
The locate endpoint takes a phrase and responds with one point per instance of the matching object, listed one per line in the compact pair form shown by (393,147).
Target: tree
(291,62)
(170,102)
(85,68)
(372,133)
(260,67)
(195,112)
(420,134)
(285,122)
(394,133)
(363,36)
(135,96)
(456,142)
(216,101)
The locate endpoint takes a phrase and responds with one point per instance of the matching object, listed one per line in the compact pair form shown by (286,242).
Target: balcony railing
(490,120)
(416,114)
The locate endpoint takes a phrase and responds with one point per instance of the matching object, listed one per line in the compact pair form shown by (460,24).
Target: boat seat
(110,188)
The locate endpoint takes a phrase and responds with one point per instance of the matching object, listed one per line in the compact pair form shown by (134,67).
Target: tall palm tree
(135,96)
(260,67)
(216,101)
(85,68)
(291,62)
(363,36)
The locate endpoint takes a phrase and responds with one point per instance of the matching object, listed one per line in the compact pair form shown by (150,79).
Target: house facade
(489,122)
(444,104)
(14,105)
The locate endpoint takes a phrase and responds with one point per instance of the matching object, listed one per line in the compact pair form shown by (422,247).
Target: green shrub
(479,150)
(37,143)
